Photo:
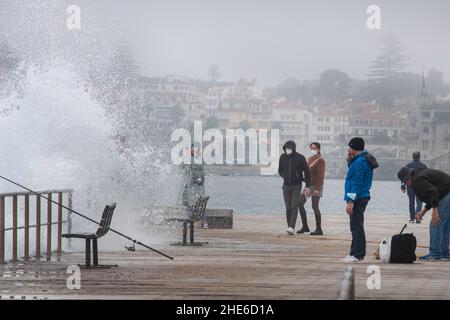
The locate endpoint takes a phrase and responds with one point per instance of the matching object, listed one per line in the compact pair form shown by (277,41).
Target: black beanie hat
(404,174)
(357,144)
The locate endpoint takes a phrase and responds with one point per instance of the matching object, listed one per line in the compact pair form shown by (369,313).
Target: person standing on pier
(357,194)
(317,166)
(193,183)
(415,205)
(294,169)
(432,187)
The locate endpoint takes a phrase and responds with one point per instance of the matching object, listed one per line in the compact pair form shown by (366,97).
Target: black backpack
(403,247)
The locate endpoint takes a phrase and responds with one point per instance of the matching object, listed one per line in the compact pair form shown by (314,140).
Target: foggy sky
(270,40)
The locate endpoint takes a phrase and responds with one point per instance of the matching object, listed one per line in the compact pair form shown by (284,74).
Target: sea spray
(57,137)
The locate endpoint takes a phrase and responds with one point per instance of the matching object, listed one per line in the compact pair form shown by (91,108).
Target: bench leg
(184,233)
(191,225)
(95,251)
(88,253)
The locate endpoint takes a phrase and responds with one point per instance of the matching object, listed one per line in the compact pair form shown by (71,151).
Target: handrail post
(2,229)
(14,252)
(26,224)
(49,226)
(27,228)
(60,202)
(347,290)
(38,227)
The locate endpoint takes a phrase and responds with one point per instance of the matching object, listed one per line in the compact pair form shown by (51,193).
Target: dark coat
(415,164)
(293,168)
(430,186)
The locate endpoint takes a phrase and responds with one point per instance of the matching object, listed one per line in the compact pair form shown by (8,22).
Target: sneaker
(418,221)
(318,232)
(446,258)
(303,230)
(351,259)
(205,226)
(290,231)
(428,257)
(412,221)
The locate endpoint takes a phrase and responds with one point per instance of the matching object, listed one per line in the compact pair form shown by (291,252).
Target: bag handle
(404,227)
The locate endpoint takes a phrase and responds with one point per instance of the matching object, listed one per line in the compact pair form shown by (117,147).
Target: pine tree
(214,73)
(391,62)
(388,78)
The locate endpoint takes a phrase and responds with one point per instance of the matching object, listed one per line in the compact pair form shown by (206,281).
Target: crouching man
(432,187)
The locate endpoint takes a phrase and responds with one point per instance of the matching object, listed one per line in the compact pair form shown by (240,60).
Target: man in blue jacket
(357,194)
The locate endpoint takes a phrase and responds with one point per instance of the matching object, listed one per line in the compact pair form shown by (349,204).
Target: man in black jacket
(432,187)
(415,205)
(293,168)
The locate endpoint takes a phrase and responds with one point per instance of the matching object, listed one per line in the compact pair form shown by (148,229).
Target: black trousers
(291,197)
(358,247)
(315,206)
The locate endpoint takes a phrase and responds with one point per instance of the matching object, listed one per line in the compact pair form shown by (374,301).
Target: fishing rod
(87,218)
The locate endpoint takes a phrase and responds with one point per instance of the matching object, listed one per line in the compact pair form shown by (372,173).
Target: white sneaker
(290,231)
(205,226)
(351,259)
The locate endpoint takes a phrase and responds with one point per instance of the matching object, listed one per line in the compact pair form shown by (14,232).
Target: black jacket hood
(289,145)
(371,160)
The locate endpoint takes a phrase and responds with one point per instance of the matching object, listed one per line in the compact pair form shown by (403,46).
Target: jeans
(415,205)
(358,247)
(440,234)
(291,197)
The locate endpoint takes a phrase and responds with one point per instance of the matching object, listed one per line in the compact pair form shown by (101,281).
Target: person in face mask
(317,166)
(294,169)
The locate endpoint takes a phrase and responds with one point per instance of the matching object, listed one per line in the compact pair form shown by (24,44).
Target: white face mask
(314,152)
(288,151)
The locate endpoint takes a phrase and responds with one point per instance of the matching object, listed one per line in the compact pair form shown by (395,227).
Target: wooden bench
(190,216)
(101,231)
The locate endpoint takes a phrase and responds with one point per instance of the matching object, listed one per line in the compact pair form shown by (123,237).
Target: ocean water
(263,195)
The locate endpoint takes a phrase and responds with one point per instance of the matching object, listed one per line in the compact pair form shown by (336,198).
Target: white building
(329,126)
(294,123)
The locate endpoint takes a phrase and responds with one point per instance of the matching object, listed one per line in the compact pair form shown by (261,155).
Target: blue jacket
(359,176)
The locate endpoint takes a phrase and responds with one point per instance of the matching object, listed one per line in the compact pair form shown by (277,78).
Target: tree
(214,73)
(333,85)
(435,82)
(391,62)
(388,73)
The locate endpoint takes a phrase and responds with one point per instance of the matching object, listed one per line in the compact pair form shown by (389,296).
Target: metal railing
(347,290)
(38,225)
